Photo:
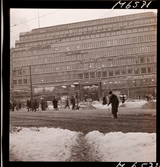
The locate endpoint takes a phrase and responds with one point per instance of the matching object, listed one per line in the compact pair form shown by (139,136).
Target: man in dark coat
(73,102)
(55,103)
(42,104)
(115,103)
(67,103)
(104,100)
(28,104)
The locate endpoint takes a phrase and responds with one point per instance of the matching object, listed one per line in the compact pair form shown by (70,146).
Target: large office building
(90,57)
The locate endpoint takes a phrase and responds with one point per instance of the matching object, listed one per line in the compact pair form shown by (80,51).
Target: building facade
(90,57)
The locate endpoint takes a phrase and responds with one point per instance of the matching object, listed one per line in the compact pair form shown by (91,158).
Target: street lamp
(31,83)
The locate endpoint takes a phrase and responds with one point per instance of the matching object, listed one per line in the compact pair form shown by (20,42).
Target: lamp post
(31,82)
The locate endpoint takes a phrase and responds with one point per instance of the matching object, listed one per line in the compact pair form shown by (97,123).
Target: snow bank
(123,147)
(127,104)
(136,104)
(42,144)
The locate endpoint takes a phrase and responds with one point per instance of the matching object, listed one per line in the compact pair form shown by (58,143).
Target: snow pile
(134,104)
(123,147)
(55,144)
(42,144)
(150,105)
(50,107)
(127,104)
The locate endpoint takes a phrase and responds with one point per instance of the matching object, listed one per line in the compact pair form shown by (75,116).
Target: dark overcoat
(55,103)
(114,102)
(104,101)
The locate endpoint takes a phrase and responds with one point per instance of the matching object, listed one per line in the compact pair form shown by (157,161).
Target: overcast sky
(23,20)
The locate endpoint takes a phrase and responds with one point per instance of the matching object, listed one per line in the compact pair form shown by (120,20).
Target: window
(80,76)
(98,74)
(15,82)
(142,60)
(123,72)
(92,75)
(24,81)
(150,69)
(35,71)
(143,70)
(136,71)
(86,75)
(104,73)
(130,71)
(117,73)
(110,73)
(74,76)
(20,81)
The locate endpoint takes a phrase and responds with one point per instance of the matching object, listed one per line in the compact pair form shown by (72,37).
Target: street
(129,120)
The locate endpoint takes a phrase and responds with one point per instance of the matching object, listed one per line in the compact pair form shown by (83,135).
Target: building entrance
(90,92)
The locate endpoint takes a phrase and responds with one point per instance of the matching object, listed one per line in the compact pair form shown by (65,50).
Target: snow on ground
(127,104)
(55,144)
(126,147)
(136,103)
(42,144)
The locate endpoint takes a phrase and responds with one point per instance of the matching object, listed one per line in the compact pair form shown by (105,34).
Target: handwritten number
(136,4)
(119,2)
(156,165)
(128,6)
(120,165)
(151,164)
(144,3)
(144,164)
(134,165)
(148,4)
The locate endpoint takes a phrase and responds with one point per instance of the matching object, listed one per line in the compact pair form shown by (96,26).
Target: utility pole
(30,82)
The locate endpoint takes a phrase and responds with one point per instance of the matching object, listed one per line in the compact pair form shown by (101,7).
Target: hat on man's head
(110,92)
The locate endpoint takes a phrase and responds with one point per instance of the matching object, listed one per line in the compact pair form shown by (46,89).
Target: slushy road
(129,120)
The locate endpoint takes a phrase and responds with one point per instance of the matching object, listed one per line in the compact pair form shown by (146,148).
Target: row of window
(130,83)
(82,57)
(20,81)
(93,22)
(96,63)
(89,29)
(84,37)
(74,50)
(97,74)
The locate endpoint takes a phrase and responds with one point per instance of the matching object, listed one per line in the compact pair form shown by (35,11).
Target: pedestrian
(17,105)
(42,104)
(35,104)
(67,103)
(123,98)
(113,99)
(20,105)
(32,104)
(45,104)
(73,102)
(13,105)
(55,103)
(104,100)
(28,104)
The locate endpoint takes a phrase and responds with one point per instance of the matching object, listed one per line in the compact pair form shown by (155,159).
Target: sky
(23,20)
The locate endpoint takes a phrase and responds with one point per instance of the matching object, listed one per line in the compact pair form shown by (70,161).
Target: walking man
(113,99)
(73,102)
(55,103)
(67,103)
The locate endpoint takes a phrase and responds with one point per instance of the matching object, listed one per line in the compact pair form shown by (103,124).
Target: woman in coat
(115,103)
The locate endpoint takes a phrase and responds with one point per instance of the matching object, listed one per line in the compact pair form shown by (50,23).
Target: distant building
(92,57)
